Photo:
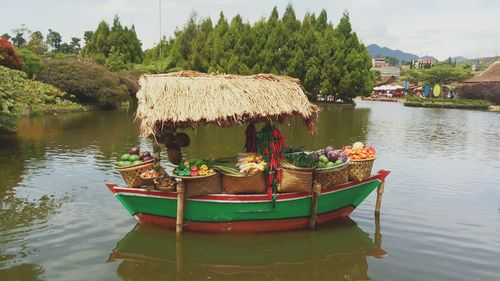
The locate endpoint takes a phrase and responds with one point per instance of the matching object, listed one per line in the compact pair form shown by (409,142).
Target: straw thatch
(490,75)
(190,99)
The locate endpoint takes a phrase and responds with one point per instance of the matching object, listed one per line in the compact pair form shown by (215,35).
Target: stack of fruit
(358,151)
(195,168)
(134,157)
(328,158)
(250,163)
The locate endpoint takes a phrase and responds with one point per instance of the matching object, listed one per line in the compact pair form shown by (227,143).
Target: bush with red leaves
(8,55)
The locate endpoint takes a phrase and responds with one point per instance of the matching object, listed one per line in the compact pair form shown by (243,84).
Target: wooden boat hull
(245,213)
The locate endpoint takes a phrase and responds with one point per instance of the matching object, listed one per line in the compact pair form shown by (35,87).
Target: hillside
(377,51)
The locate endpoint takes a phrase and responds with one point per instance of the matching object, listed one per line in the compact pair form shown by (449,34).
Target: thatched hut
(483,86)
(191,99)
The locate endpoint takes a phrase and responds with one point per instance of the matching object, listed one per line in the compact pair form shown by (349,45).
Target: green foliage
(32,62)
(376,75)
(87,81)
(98,44)
(392,61)
(54,40)
(438,74)
(36,43)
(458,101)
(328,60)
(115,60)
(18,93)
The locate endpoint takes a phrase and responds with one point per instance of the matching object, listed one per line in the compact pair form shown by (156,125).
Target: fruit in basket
(314,156)
(360,153)
(134,151)
(328,149)
(144,154)
(333,155)
(323,159)
(147,158)
(320,165)
(134,158)
(182,139)
(339,162)
(126,163)
(357,145)
(125,157)
(330,165)
(137,162)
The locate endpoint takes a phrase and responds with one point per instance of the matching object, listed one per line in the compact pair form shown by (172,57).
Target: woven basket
(132,174)
(360,169)
(244,184)
(202,185)
(296,180)
(152,183)
(332,176)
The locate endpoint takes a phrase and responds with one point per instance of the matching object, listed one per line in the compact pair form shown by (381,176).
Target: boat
(168,102)
(245,212)
(339,248)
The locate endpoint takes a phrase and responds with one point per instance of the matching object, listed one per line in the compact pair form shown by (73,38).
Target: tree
(75,45)
(8,55)
(36,43)
(87,36)
(5,35)
(99,43)
(54,40)
(115,60)
(18,40)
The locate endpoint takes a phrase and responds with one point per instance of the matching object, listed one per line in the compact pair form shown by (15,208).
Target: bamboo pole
(181,188)
(378,204)
(314,204)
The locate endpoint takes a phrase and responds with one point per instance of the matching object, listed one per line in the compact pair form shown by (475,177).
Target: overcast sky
(469,28)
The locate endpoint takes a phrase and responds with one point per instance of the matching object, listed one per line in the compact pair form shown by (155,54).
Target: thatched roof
(490,75)
(190,99)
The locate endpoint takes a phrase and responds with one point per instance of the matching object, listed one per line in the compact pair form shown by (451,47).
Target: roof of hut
(190,99)
(491,74)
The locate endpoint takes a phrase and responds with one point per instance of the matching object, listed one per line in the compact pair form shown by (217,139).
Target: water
(440,213)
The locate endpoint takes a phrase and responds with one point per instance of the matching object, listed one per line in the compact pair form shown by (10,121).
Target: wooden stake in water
(181,188)
(378,204)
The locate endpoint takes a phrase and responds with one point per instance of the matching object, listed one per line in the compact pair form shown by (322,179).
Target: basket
(162,182)
(132,174)
(296,180)
(244,184)
(202,185)
(332,176)
(360,169)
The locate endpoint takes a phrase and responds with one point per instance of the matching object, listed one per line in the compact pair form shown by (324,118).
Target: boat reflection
(336,252)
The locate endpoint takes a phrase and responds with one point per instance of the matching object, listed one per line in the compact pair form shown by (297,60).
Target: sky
(469,28)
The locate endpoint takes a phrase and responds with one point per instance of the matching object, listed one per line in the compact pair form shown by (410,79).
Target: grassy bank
(446,103)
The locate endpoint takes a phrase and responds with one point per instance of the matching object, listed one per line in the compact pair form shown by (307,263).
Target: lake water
(440,214)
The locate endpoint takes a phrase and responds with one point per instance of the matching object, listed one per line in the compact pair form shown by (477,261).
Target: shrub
(18,93)
(87,81)
(8,55)
(32,62)
(486,91)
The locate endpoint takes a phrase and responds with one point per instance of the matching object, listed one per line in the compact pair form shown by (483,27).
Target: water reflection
(333,252)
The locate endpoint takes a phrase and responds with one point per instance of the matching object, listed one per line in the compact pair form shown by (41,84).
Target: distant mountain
(460,59)
(377,51)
